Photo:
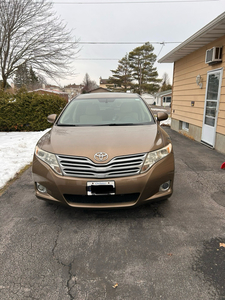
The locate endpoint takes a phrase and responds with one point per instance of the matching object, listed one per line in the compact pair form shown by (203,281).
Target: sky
(169,22)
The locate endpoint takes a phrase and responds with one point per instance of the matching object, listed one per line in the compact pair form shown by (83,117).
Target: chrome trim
(120,166)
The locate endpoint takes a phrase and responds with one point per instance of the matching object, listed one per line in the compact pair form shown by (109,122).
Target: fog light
(41,188)
(165,186)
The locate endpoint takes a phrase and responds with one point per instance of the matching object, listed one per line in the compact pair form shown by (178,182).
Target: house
(104,83)
(73,90)
(163,98)
(51,87)
(198,94)
(52,92)
(149,99)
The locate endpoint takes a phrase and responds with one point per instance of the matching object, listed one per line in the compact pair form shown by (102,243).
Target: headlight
(155,156)
(49,159)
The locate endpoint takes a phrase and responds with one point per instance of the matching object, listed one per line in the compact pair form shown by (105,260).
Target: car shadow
(150,210)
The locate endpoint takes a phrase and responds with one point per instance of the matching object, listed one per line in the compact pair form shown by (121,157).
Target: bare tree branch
(31,32)
(88,84)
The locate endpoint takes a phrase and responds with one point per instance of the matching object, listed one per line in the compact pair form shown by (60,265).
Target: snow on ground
(158,109)
(16,151)
(167,122)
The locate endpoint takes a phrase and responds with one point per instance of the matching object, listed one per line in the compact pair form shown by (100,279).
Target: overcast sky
(156,22)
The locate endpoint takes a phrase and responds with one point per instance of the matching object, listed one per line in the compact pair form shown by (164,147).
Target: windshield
(107,111)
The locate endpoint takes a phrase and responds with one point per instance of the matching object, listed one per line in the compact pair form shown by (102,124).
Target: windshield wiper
(67,125)
(110,124)
(121,124)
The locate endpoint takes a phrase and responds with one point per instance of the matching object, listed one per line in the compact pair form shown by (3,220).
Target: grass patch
(18,174)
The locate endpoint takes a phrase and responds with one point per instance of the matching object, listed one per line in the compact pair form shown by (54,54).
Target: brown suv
(104,150)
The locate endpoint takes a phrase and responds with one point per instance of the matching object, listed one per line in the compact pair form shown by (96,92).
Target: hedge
(28,111)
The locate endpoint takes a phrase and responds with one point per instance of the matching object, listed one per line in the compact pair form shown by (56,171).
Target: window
(185,126)
(167,101)
(108,111)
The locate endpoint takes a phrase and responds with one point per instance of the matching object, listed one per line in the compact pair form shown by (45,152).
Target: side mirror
(161,116)
(51,118)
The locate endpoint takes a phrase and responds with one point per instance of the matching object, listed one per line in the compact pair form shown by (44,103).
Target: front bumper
(129,191)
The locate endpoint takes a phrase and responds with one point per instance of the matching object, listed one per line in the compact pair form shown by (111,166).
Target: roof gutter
(168,58)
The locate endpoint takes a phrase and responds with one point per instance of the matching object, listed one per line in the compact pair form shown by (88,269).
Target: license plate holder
(100,188)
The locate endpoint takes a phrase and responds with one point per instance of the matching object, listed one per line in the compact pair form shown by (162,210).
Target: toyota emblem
(101,156)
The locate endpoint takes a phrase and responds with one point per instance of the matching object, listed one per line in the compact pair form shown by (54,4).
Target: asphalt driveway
(169,250)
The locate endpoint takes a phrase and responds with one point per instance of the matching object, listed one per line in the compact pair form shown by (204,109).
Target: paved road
(170,250)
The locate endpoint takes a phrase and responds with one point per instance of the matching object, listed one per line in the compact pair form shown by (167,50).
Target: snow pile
(158,109)
(16,151)
(167,122)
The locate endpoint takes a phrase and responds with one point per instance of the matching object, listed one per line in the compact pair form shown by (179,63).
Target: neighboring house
(149,99)
(51,92)
(163,98)
(99,90)
(51,87)
(73,90)
(198,97)
(104,83)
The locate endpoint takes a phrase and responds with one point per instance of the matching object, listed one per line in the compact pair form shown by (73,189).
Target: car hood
(114,140)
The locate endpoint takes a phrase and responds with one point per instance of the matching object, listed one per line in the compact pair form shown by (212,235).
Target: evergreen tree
(26,77)
(144,74)
(33,79)
(21,76)
(121,76)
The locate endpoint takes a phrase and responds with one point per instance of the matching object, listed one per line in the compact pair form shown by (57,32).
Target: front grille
(84,199)
(121,166)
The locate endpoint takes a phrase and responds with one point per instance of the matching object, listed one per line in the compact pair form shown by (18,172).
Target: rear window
(107,111)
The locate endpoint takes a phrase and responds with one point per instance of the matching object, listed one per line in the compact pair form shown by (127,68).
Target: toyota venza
(104,150)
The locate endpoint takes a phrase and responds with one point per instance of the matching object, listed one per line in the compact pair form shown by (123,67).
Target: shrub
(28,111)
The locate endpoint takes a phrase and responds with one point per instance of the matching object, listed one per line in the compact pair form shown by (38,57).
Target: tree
(144,74)
(165,83)
(121,76)
(8,86)
(88,84)
(21,76)
(31,33)
(33,79)
(26,77)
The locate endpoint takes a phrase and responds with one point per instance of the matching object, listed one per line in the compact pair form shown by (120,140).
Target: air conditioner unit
(213,55)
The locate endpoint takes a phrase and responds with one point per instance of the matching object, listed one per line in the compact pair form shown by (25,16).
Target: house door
(212,98)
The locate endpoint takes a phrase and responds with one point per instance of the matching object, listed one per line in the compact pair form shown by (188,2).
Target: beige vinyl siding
(185,89)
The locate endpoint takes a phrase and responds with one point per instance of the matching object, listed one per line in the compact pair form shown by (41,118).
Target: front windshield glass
(107,111)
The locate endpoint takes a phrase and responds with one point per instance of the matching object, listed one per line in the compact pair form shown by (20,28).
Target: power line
(125,43)
(163,44)
(97,58)
(135,2)
(119,43)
